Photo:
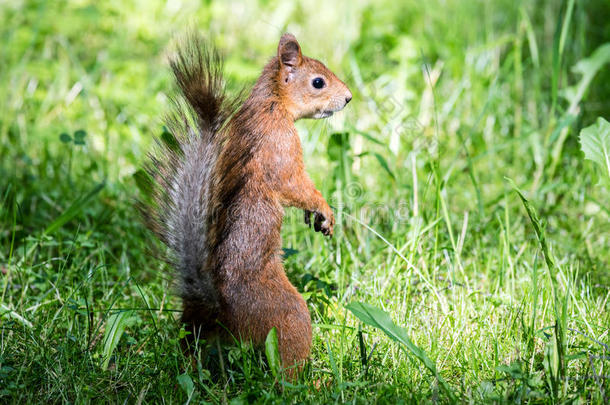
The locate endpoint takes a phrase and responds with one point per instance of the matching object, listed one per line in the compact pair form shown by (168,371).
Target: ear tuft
(289,51)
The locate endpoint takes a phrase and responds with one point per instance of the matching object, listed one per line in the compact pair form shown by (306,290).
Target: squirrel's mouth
(323,114)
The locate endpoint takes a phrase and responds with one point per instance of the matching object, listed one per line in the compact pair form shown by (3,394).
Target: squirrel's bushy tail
(181,168)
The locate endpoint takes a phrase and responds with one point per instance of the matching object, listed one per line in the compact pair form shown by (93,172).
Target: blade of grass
(559,346)
(73,210)
(115,326)
(272,352)
(380,319)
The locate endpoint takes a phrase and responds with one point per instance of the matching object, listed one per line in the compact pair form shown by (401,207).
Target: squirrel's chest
(282,153)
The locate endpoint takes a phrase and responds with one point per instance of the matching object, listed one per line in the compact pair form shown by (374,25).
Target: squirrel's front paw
(322,223)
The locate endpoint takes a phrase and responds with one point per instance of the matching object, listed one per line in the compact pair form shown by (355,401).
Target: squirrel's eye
(318,83)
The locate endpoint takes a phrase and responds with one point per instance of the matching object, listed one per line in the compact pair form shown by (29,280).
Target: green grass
(492,292)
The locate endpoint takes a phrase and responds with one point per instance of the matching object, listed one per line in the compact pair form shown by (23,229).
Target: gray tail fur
(181,168)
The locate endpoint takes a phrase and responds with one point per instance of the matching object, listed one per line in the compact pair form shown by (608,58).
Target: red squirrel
(219,189)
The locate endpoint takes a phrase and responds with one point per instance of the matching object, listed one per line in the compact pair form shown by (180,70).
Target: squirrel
(220,184)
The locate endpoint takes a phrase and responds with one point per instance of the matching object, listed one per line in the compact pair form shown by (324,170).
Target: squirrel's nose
(348,99)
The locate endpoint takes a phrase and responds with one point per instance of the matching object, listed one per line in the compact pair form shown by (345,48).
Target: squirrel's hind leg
(272,301)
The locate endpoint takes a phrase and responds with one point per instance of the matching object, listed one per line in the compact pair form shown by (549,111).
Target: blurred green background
(450,99)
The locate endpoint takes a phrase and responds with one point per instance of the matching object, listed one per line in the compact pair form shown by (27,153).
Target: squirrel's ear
(289,51)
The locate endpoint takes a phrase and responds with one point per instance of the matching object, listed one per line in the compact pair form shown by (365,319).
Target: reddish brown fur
(259,171)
